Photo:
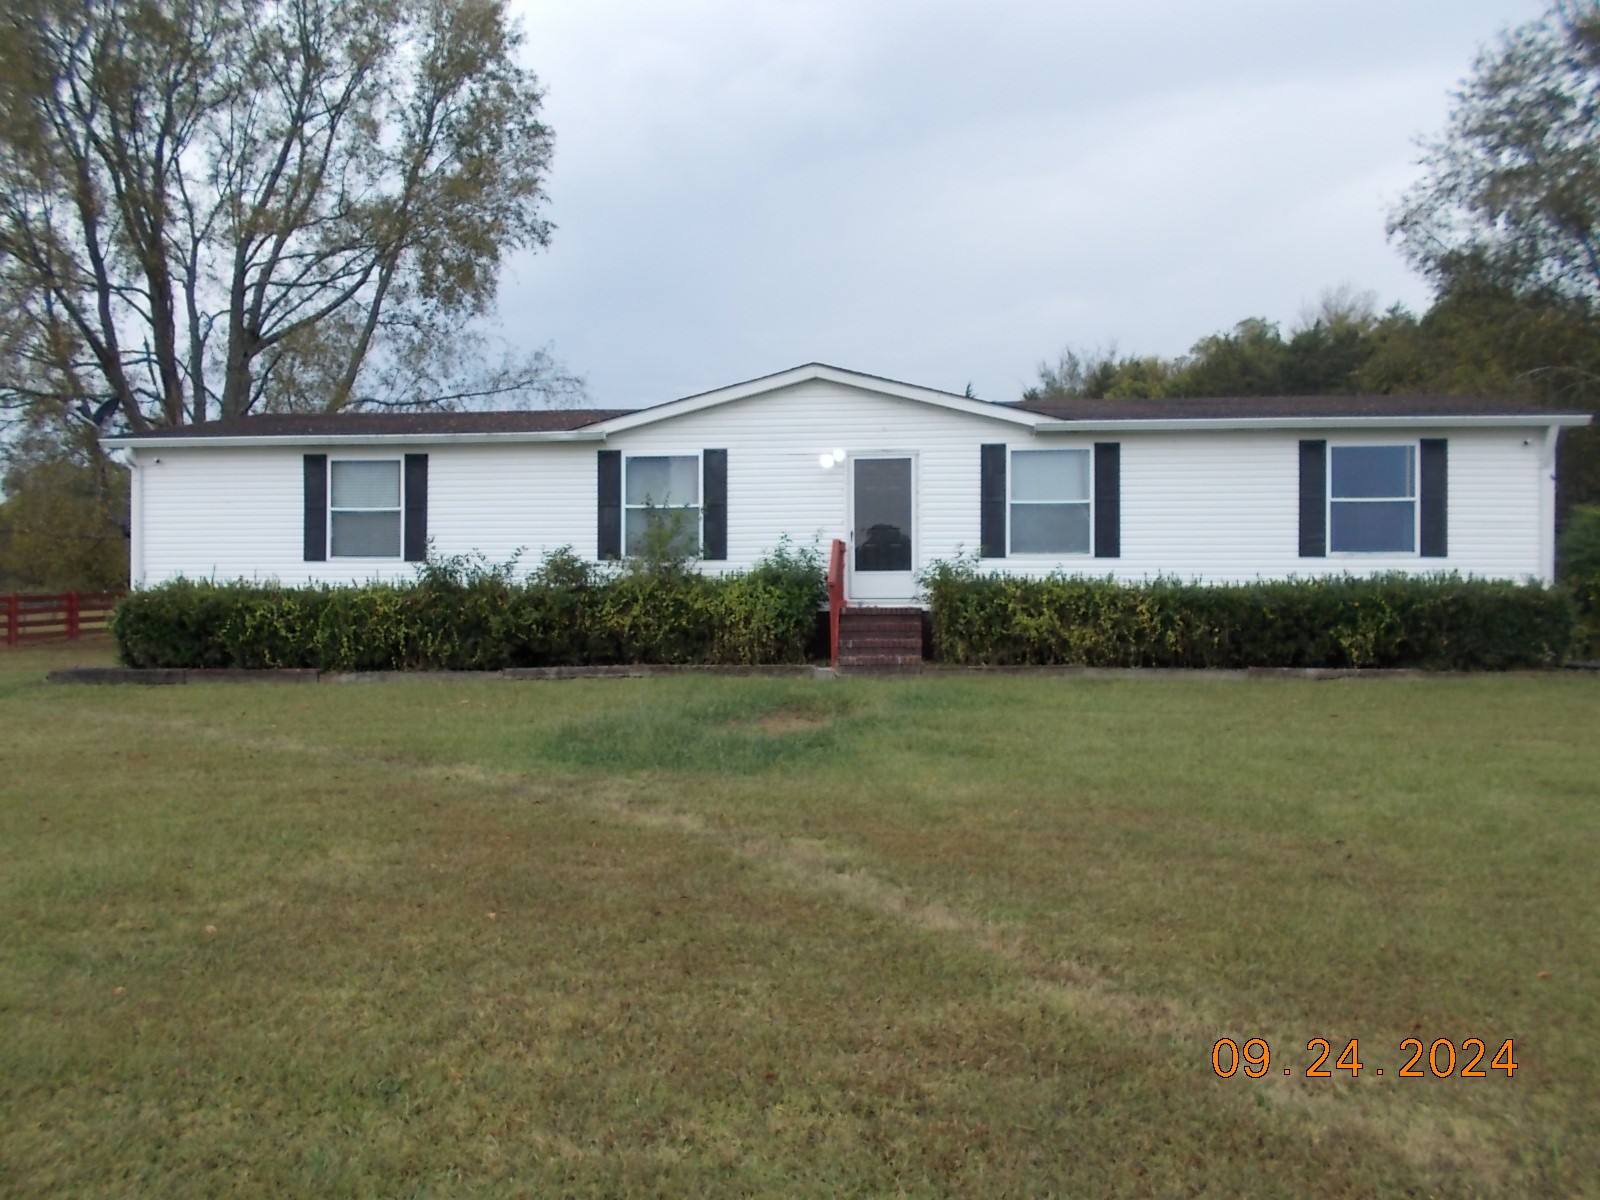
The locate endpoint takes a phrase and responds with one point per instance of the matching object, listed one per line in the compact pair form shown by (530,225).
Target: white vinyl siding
(1216,506)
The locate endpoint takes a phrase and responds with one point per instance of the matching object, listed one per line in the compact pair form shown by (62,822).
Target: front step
(880,639)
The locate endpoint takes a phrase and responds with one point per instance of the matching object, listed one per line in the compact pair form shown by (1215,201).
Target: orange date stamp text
(1441,1058)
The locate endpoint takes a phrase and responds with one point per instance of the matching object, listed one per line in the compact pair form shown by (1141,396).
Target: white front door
(883,502)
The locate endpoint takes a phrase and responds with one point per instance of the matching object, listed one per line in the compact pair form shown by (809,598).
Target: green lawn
(724,937)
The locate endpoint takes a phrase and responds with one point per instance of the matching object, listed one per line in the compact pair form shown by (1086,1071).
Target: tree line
(1479,337)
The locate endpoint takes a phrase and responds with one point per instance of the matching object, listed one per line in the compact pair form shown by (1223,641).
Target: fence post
(72,616)
(13,619)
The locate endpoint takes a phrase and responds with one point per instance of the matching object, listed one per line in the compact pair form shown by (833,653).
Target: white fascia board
(588,434)
(827,374)
(1539,421)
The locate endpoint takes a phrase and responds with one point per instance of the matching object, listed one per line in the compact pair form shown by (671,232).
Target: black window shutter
(1435,495)
(1313,499)
(608,543)
(714,465)
(992,502)
(1108,499)
(416,517)
(316,542)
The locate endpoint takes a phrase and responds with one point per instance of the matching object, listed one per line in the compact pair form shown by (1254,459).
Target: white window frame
(1011,476)
(699,504)
(400,509)
(1415,498)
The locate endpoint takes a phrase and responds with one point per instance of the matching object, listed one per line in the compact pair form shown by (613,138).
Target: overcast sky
(948,192)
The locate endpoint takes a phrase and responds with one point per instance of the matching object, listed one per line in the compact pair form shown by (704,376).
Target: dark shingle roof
(369,424)
(1225,408)
(1281,407)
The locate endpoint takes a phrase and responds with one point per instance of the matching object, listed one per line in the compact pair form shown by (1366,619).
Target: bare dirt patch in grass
(793,720)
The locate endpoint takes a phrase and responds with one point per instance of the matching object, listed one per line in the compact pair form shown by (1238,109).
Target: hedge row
(1444,623)
(1579,568)
(462,615)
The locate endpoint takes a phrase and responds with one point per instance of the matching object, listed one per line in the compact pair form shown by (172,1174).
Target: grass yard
(726,937)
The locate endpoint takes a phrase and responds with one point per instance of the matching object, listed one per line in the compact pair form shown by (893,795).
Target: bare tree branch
(218,199)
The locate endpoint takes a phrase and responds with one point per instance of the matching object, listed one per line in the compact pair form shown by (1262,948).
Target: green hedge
(1435,622)
(1579,570)
(462,615)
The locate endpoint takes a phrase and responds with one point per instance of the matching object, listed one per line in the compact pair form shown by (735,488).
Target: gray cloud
(948,192)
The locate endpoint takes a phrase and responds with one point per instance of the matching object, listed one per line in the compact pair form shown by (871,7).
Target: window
(1372,499)
(1050,502)
(364,508)
(661,503)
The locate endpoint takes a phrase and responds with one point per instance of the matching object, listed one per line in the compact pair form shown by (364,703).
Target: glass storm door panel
(883,498)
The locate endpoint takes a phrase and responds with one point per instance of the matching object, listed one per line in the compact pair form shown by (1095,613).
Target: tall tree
(64,512)
(212,206)
(1511,191)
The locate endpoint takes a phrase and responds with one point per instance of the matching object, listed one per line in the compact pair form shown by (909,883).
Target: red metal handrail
(836,600)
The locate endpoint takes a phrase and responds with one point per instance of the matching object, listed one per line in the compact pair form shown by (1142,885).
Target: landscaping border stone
(150,676)
(166,676)
(176,675)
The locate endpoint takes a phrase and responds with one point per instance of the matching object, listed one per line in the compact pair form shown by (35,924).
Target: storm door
(883,497)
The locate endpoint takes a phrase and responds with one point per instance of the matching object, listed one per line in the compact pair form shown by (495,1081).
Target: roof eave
(139,442)
(1174,425)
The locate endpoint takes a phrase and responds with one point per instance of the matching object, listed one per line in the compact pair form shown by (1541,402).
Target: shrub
(772,608)
(1580,573)
(465,614)
(181,623)
(1435,622)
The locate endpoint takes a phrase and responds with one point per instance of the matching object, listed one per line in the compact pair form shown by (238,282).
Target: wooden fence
(44,616)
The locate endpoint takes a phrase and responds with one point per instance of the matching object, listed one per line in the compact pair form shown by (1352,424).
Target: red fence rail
(50,616)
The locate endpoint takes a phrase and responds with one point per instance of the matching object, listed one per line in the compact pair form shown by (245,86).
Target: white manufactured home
(1213,490)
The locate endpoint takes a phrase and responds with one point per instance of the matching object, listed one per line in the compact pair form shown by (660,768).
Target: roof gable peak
(814,372)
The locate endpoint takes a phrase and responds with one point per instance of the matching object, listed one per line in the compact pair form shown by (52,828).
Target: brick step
(886,640)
